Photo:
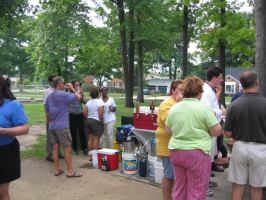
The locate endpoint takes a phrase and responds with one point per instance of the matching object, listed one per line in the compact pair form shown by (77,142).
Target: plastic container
(151,160)
(143,165)
(158,171)
(117,147)
(130,163)
(93,153)
(153,147)
(111,155)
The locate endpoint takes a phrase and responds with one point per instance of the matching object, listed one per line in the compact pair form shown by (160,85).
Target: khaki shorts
(248,161)
(62,136)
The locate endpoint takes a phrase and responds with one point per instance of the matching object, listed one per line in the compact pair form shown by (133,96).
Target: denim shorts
(168,171)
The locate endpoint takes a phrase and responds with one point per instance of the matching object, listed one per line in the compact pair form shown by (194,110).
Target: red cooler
(112,157)
(145,119)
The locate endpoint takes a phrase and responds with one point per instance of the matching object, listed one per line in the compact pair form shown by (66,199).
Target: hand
(69,86)
(223,111)
(81,91)
(219,89)
(179,97)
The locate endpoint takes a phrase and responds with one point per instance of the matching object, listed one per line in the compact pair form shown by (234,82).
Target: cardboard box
(112,157)
(145,120)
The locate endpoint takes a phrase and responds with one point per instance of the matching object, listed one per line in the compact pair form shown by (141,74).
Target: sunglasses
(63,83)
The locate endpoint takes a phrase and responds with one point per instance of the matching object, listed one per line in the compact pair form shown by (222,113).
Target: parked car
(154,91)
(146,92)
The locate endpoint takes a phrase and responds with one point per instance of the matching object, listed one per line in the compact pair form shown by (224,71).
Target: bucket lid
(108,151)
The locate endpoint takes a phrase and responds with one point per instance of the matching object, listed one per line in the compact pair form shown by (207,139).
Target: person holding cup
(109,118)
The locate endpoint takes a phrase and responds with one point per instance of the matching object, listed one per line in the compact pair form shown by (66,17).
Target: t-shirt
(107,114)
(12,114)
(46,93)
(56,106)
(246,118)
(162,139)
(190,129)
(93,106)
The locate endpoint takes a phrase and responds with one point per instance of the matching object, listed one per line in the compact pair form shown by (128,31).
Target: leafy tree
(220,27)
(14,59)
(57,33)
(10,11)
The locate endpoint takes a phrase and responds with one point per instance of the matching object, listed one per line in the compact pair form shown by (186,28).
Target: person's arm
(83,97)
(16,131)
(218,92)
(70,87)
(100,109)
(85,111)
(228,134)
(215,130)
(168,131)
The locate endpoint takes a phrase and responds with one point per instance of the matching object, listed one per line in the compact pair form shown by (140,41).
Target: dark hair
(94,92)
(51,78)
(74,81)
(5,90)
(57,80)
(248,79)
(174,84)
(192,85)
(213,71)
(101,88)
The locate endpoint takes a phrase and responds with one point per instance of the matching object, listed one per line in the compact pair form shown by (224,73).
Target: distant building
(163,85)
(232,82)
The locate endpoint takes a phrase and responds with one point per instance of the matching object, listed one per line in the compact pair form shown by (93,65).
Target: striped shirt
(56,106)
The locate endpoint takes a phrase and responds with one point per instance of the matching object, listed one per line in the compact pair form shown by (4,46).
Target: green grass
(35,113)
(38,151)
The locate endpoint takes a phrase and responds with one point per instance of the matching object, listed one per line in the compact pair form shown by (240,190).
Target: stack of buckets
(155,163)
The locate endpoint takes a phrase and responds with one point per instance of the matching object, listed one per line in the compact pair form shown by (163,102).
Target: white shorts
(248,161)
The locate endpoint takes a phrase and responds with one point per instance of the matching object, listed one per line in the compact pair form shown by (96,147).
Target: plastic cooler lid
(108,151)
(146,109)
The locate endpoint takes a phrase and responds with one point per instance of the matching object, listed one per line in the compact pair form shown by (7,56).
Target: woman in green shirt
(191,141)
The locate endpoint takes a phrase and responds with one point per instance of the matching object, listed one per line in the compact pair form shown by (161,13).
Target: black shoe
(61,156)
(76,152)
(49,159)
(85,151)
(218,169)
(212,174)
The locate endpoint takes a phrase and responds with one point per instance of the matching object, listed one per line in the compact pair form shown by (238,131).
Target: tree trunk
(185,40)
(21,82)
(131,55)
(126,77)
(260,59)
(222,57)
(140,70)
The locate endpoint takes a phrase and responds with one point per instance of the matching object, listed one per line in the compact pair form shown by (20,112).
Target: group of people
(65,115)
(188,127)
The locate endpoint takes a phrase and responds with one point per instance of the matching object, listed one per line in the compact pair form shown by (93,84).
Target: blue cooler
(123,130)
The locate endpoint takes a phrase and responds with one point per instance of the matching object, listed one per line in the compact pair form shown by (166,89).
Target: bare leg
(238,191)
(90,144)
(167,187)
(256,193)
(55,157)
(4,191)
(95,142)
(68,160)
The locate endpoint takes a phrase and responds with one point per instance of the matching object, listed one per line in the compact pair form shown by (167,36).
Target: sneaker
(212,184)
(76,152)
(212,174)
(209,192)
(50,159)
(85,151)
(61,156)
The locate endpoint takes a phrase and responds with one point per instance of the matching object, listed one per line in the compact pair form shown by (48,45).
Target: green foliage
(10,12)
(14,59)
(237,37)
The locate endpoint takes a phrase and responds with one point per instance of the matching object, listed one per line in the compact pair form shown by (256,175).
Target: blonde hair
(192,85)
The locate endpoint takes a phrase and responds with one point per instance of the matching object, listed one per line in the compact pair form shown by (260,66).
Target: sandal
(59,173)
(74,175)
(212,184)
(209,192)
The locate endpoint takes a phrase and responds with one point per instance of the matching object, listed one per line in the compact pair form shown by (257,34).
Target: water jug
(143,166)
(153,147)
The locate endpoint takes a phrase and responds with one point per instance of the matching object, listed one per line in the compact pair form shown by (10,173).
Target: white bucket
(94,158)
(151,160)
(130,163)
(158,171)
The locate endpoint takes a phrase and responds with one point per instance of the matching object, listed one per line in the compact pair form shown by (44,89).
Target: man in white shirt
(49,145)
(214,79)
